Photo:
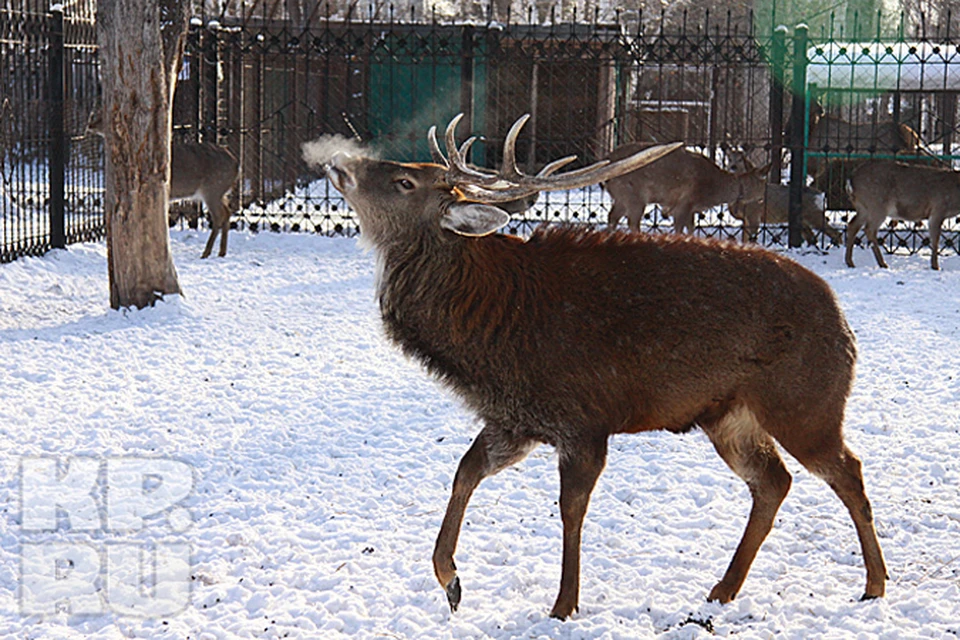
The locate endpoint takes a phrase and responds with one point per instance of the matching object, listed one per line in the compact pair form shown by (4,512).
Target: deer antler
(458,171)
(511,183)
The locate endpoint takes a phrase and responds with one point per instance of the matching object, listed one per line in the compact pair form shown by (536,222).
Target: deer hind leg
(751,453)
(224,226)
(219,224)
(215,223)
(841,469)
(493,450)
(579,471)
(871,232)
(853,227)
(936,221)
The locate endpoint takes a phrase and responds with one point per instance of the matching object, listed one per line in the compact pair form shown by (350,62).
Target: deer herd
(683,183)
(576,334)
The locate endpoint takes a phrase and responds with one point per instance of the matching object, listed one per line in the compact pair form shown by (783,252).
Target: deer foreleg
(935,223)
(493,450)
(578,474)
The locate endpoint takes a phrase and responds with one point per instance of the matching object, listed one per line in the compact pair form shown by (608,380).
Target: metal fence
(262,86)
(265,89)
(50,179)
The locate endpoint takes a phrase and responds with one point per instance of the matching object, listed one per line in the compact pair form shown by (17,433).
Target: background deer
(683,183)
(574,335)
(198,171)
(830,133)
(774,207)
(883,189)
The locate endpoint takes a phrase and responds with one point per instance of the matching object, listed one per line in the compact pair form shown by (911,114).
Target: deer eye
(405,184)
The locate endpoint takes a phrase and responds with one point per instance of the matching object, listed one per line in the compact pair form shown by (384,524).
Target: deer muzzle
(339,171)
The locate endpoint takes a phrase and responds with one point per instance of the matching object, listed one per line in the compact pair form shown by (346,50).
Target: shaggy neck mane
(474,287)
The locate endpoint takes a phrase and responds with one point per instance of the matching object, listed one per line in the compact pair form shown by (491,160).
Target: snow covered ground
(323,459)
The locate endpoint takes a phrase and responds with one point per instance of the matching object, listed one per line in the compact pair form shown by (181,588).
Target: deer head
(450,195)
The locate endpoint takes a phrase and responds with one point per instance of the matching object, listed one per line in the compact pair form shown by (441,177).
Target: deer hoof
(562,614)
(722,594)
(453,594)
(872,592)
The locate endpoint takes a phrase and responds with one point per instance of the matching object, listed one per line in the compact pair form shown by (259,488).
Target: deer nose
(339,172)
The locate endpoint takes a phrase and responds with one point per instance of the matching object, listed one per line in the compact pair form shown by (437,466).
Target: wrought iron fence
(262,86)
(50,180)
(263,89)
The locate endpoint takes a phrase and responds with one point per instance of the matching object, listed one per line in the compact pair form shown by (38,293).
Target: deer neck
(729,188)
(405,266)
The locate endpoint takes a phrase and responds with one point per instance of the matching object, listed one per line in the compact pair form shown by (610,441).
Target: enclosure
(261,82)
(321,458)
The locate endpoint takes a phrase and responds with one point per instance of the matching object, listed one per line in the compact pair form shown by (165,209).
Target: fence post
(57,152)
(798,142)
(466,83)
(778,56)
(193,62)
(210,82)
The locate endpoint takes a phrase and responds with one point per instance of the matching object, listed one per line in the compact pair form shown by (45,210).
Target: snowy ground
(323,460)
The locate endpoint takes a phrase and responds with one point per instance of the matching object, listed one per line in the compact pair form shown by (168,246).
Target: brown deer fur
(774,208)
(198,171)
(684,183)
(574,335)
(883,189)
(829,133)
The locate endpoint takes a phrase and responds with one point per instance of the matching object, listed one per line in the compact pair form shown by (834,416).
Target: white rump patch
(740,432)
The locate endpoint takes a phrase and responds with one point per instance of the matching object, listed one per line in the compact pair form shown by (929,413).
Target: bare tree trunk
(141,45)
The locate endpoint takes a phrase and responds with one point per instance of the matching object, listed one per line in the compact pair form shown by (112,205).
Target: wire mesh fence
(262,82)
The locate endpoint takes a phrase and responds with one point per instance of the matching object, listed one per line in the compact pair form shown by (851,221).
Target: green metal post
(798,138)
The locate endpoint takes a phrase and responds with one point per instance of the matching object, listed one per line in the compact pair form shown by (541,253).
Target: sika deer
(198,171)
(683,183)
(576,334)
(831,134)
(882,189)
(774,207)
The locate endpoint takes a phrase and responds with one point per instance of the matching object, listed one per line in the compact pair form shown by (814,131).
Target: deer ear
(473,219)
